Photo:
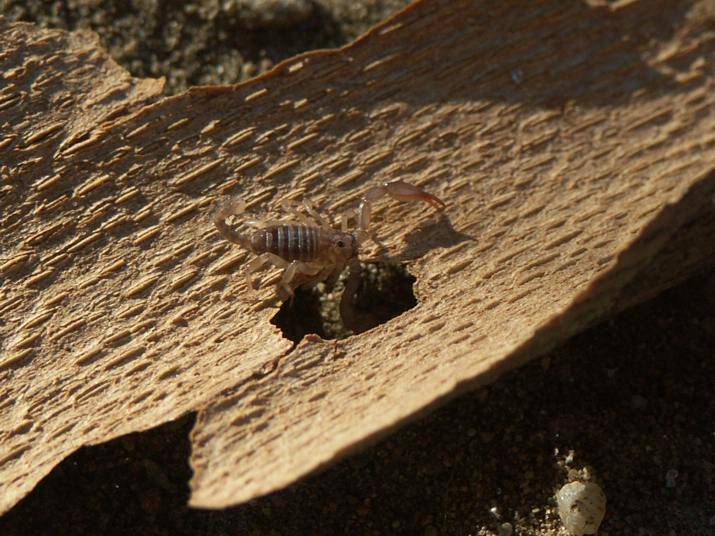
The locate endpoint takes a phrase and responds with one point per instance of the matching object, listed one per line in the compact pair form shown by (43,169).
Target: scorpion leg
(310,208)
(345,219)
(253,266)
(400,190)
(292,279)
(292,210)
(259,262)
(311,218)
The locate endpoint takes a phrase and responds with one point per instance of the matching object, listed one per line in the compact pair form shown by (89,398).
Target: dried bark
(575,146)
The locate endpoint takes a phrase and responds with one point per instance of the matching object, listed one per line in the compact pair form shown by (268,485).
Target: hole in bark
(385,291)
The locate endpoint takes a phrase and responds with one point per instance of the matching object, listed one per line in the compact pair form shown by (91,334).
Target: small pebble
(505,529)
(582,506)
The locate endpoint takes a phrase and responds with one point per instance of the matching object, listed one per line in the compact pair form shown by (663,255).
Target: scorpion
(309,250)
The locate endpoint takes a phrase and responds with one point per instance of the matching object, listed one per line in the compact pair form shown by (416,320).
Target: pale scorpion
(310,250)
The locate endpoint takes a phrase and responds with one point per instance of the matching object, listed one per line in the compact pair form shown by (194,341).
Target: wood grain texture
(574,145)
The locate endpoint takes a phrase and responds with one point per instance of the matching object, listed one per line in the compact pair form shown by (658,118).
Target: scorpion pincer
(308,249)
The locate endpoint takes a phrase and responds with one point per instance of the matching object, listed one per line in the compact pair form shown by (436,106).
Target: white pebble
(582,506)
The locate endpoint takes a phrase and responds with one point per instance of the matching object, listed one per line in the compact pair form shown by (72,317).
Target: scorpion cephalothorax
(308,249)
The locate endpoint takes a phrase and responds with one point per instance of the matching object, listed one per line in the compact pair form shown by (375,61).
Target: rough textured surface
(122,307)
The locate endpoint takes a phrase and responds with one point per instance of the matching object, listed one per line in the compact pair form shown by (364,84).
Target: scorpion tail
(226,208)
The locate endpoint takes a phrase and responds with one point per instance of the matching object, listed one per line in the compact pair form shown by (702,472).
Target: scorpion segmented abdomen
(292,242)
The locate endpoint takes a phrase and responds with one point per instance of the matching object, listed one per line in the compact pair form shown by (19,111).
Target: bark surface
(574,145)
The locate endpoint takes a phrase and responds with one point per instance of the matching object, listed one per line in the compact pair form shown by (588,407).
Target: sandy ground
(206,41)
(630,400)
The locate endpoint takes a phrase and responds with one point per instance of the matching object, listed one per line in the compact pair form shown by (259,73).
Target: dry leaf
(571,142)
